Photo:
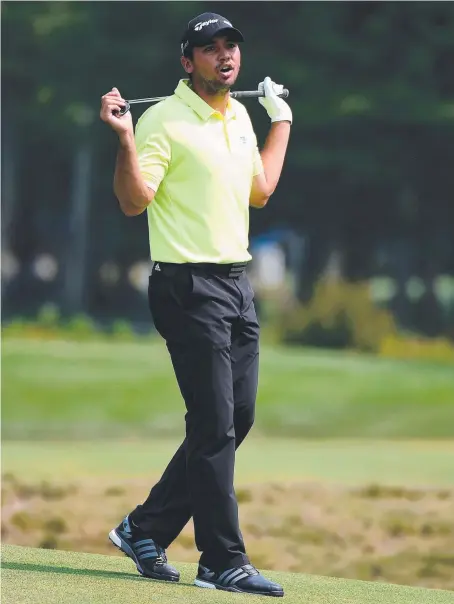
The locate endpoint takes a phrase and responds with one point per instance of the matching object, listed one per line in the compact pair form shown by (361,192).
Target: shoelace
(161,558)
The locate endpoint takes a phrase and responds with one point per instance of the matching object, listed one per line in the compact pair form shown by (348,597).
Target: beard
(212,87)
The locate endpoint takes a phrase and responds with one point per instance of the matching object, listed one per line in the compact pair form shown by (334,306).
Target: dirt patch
(392,534)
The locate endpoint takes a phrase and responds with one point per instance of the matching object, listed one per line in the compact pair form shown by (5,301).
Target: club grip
(254,94)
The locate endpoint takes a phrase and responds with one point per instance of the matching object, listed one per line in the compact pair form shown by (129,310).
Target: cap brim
(234,35)
(237,35)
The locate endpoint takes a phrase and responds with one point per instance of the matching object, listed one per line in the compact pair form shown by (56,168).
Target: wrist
(281,124)
(282,120)
(126,139)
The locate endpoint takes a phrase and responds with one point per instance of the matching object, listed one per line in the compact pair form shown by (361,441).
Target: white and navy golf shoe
(149,557)
(243,579)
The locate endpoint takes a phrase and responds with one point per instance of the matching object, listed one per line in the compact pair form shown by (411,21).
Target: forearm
(273,153)
(129,187)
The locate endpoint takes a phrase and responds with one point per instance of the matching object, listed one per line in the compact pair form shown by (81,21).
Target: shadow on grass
(88,572)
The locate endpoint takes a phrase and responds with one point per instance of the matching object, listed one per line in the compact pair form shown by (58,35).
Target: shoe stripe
(140,548)
(233,573)
(144,542)
(147,551)
(226,573)
(142,553)
(243,575)
(142,557)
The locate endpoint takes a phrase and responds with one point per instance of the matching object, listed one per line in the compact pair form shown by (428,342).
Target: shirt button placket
(226,134)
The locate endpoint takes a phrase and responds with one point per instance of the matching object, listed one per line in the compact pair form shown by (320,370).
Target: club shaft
(237,94)
(154,99)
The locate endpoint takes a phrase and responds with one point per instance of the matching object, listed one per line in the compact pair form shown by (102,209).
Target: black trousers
(210,327)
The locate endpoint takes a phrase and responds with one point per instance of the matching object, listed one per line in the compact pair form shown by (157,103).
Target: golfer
(194,165)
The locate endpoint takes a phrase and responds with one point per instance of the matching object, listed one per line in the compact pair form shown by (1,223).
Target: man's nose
(225,53)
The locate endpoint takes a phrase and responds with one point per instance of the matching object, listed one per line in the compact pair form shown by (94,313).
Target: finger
(110,110)
(112,107)
(112,98)
(268,84)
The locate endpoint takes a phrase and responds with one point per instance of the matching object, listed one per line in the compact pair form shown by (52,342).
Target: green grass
(258,460)
(57,577)
(58,389)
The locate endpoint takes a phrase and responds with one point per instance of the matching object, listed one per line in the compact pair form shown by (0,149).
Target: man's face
(215,67)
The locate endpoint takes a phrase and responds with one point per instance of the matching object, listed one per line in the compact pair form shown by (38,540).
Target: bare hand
(111,103)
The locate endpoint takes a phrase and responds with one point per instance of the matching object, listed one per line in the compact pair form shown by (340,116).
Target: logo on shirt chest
(243,139)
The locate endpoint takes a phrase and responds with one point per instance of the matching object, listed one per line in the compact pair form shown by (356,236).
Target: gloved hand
(277,108)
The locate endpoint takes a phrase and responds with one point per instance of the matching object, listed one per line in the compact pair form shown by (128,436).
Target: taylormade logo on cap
(199,26)
(202,24)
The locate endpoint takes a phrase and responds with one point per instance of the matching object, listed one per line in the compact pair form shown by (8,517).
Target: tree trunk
(76,258)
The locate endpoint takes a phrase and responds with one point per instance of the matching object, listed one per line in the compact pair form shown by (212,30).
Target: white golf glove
(277,108)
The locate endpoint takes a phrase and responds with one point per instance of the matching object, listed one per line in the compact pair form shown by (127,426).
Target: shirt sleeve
(153,149)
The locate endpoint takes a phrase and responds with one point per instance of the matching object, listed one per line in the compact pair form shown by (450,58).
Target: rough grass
(360,522)
(39,576)
(56,389)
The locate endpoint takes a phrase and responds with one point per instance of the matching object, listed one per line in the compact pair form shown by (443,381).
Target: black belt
(235,269)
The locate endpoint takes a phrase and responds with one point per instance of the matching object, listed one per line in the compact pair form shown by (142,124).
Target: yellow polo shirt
(201,165)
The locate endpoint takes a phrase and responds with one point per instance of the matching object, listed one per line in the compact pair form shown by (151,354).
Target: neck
(216,99)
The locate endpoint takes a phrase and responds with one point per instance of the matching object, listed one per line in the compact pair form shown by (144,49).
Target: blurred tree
(371,90)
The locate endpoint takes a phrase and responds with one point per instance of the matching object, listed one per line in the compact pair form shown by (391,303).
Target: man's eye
(209,48)
(232,45)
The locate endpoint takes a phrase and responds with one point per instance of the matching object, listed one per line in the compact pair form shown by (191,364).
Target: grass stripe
(258,460)
(87,389)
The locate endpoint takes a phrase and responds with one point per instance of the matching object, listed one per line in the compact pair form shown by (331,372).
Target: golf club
(239,94)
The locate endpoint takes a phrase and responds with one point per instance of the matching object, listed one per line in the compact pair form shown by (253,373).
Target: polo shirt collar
(203,110)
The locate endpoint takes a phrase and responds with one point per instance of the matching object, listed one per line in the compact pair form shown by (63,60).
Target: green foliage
(48,316)
(382,59)
(339,315)
(372,95)
(122,330)
(49,324)
(337,332)
(81,327)
(17,327)
(440,350)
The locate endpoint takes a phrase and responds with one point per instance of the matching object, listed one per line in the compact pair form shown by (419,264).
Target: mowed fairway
(259,460)
(58,389)
(54,577)
(348,472)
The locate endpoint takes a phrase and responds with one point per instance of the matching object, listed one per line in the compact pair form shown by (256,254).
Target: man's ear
(187,64)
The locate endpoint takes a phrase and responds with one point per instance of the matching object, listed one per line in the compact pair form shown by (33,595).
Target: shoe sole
(208,585)
(128,551)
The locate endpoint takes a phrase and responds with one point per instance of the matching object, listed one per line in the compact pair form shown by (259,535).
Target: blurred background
(353,270)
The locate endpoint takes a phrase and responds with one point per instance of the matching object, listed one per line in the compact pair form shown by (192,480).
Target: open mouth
(226,69)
